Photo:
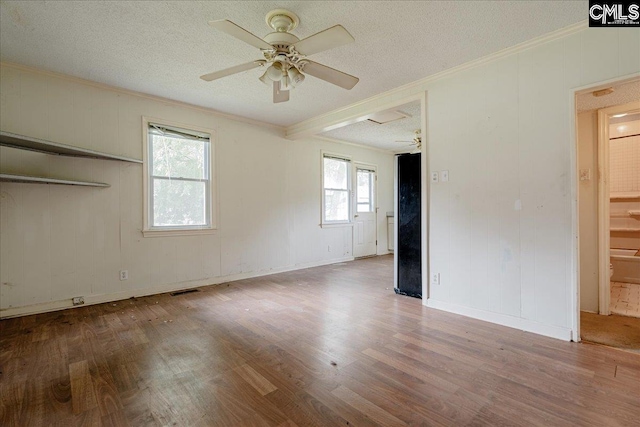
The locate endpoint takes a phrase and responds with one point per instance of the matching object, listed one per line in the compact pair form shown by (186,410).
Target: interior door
(364,218)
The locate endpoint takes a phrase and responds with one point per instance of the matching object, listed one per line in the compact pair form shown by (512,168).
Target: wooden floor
(325,346)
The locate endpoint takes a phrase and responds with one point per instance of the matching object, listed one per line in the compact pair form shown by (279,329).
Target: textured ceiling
(385,136)
(161,48)
(622,94)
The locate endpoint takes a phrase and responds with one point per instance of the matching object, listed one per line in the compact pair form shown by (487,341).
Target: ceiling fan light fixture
(274,72)
(265,79)
(295,76)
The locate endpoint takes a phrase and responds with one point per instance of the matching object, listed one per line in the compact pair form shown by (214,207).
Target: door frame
(354,200)
(574,265)
(604,231)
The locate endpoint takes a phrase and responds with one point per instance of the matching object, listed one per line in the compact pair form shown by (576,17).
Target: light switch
(434,177)
(585,174)
(444,176)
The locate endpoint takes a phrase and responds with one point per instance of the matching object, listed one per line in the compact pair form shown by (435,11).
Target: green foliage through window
(179,179)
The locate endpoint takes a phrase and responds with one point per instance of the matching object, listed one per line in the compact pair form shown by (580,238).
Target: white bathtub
(626,266)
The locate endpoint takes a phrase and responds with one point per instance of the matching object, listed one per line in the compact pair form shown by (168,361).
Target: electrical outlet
(434,177)
(124,274)
(78,300)
(435,279)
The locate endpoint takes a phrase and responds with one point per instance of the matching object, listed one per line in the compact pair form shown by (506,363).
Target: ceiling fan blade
(330,75)
(238,32)
(278,94)
(233,70)
(324,40)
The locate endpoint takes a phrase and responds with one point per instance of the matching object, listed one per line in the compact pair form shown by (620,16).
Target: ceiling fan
(285,55)
(417,139)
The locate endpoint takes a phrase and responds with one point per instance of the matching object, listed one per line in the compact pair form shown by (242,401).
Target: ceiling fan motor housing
(281,41)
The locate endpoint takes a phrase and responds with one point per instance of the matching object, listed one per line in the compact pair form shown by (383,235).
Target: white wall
(588,210)
(57,242)
(498,260)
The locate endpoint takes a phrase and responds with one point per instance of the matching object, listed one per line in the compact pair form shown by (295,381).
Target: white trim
(424,196)
(336,224)
(604,237)
(46,307)
(179,232)
(147,230)
(141,95)
(561,333)
(382,101)
(573,301)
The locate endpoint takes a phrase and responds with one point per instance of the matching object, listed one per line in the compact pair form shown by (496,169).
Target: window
(178,179)
(336,180)
(365,190)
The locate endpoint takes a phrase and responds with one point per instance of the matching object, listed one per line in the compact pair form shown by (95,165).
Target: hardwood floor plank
(369,409)
(412,369)
(82,395)
(256,380)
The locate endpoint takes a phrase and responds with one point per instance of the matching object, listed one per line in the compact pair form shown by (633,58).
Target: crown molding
(116,89)
(350,113)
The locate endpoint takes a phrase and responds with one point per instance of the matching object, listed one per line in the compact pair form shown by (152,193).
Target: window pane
(364,186)
(335,173)
(336,205)
(179,157)
(364,190)
(179,203)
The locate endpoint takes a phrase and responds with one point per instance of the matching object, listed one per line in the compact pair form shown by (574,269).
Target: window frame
(323,221)
(148,181)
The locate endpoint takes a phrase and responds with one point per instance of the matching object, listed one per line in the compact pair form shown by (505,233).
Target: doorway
(608,147)
(409,225)
(365,230)
(619,224)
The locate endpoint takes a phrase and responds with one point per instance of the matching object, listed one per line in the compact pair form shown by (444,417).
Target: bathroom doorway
(608,136)
(623,124)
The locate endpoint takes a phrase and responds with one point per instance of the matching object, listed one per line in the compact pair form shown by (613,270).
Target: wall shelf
(44,180)
(22,142)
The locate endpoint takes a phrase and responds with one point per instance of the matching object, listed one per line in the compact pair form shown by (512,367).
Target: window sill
(178,232)
(336,224)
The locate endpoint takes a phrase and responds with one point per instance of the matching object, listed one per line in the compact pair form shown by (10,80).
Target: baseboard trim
(557,332)
(50,306)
